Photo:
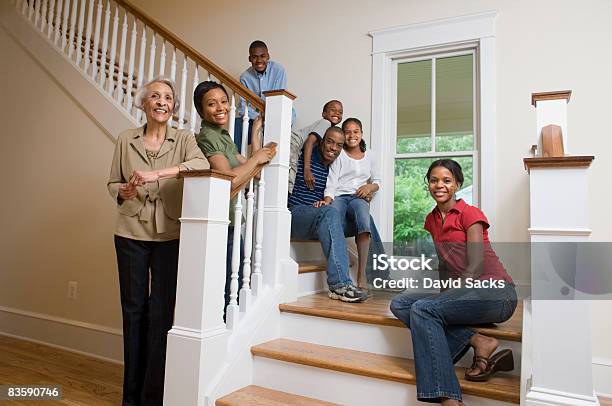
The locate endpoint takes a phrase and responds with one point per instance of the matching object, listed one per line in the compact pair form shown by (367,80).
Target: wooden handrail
(198,58)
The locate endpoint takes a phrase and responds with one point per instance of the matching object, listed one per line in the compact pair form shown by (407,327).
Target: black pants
(147,316)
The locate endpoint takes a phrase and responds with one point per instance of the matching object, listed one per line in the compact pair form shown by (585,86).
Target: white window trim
(434,36)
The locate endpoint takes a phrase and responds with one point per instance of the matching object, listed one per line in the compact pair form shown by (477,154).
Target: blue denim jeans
(324,224)
(238,133)
(354,209)
(440,334)
(351,229)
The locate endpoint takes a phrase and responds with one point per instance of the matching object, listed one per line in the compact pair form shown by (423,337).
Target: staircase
(356,354)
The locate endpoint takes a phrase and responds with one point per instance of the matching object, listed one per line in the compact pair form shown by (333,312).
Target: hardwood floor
(605,401)
(84,380)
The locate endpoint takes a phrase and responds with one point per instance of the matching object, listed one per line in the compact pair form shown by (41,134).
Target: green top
(214,140)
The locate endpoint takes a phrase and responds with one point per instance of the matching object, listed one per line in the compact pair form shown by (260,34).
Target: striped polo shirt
(301,194)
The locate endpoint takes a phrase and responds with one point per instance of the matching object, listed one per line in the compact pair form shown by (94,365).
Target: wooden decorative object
(552,141)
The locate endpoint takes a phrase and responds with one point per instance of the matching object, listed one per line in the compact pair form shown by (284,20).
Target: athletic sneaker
(348,293)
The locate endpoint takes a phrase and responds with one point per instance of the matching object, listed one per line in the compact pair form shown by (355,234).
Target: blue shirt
(273,78)
(301,194)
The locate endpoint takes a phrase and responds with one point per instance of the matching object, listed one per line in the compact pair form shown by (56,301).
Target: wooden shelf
(560,94)
(568,161)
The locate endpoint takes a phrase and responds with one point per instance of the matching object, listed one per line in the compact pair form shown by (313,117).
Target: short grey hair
(141,92)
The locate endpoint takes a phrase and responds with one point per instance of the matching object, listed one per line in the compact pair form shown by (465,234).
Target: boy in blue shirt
(263,75)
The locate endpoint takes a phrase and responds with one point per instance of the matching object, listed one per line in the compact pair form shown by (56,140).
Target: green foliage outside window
(412,201)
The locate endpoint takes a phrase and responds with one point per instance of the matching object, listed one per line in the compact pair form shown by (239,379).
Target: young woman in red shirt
(439,323)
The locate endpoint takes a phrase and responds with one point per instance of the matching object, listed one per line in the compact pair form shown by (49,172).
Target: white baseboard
(547,397)
(71,335)
(602,376)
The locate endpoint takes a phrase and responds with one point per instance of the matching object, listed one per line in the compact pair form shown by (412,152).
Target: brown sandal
(500,361)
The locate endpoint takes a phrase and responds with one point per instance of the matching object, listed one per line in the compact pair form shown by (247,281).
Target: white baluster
(232,307)
(124,29)
(36,12)
(173,75)
(79,41)
(245,292)
(43,16)
(64,28)
(56,28)
(257,278)
(173,66)
(24,7)
(87,47)
(151,58)
(162,59)
(30,9)
(130,78)
(50,18)
(192,117)
(210,77)
(141,64)
(181,118)
(73,19)
(113,53)
(102,68)
(245,132)
(94,55)
(232,117)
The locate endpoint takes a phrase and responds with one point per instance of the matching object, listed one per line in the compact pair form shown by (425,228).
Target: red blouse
(450,238)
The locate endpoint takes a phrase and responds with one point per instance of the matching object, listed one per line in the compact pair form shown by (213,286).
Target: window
(435,118)
(428,49)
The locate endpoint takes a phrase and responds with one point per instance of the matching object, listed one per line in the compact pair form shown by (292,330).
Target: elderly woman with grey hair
(143,183)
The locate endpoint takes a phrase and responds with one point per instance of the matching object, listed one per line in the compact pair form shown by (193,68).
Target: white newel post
(197,342)
(557,367)
(276,217)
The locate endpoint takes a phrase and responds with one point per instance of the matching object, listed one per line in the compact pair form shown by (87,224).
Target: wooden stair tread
(254,395)
(312,266)
(376,311)
(500,387)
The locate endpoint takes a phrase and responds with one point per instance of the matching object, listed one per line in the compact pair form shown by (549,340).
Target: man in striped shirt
(324,223)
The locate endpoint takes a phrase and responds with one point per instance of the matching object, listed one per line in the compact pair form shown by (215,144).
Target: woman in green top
(212,103)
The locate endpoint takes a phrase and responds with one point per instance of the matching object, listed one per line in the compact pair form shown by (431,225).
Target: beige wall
(57,216)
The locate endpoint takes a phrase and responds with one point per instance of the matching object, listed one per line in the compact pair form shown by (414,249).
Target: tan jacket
(152,215)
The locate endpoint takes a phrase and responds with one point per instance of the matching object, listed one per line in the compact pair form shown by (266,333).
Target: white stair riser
(306,251)
(374,338)
(343,388)
(312,282)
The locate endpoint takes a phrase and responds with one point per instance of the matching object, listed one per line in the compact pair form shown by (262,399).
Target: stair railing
(118,47)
